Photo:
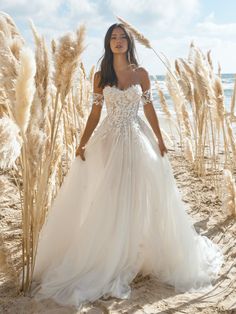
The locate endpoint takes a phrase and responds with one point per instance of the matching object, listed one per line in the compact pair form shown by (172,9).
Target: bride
(119,212)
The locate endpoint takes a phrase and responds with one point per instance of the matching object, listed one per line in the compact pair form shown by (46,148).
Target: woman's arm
(93,117)
(150,112)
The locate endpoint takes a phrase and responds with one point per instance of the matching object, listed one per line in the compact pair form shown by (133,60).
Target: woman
(119,212)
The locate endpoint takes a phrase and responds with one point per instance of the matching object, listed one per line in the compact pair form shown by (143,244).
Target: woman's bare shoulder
(142,71)
(143,77)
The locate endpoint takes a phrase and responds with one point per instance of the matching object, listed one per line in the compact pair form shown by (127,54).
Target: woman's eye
(123,37)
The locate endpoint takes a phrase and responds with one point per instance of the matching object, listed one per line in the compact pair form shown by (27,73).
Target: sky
(170,25)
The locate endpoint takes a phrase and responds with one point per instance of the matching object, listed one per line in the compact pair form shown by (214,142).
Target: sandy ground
(148,295)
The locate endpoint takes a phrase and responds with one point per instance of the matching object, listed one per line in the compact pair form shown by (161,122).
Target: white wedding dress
(117,214)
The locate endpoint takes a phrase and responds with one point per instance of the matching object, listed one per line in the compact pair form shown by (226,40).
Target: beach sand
(148,294)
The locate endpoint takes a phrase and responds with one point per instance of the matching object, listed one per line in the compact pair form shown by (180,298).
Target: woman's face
(118,41)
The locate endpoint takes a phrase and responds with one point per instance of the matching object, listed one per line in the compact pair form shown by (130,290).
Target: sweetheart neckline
(122,90)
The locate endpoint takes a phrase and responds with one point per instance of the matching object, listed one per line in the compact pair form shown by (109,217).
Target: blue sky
(169,24)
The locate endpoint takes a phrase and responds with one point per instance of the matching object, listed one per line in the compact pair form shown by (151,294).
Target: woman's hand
(80,152)
(163,148)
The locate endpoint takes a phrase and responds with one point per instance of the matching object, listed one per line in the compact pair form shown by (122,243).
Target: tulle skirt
(117,214)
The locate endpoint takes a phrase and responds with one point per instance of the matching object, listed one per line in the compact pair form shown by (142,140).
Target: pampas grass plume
(25,88)
(137,35)
(229,195)
(188,151)
(10,143)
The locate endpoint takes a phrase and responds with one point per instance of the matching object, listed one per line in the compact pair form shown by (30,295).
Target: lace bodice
(122,108)
(122,105)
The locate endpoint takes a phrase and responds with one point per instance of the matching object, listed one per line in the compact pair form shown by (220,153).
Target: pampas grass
(11,43)
(24,87)
(8,193)
(188,151)
(137,35)
(229,193)
(11,142)
(231,139)
(43,69)
(66,59)
(233,100)
(14,40)
(46,178)
(163,102)
(204,123)
(44,109)
(9,199)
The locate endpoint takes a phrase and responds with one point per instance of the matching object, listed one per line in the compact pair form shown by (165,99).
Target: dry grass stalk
(165,109)
(185,81)
(219,101)
(163,102)
(201,77)
(186,121)
(210,60)
(188,150)
(219,98)
(233,100)
(173,89)
(229,193)
(231,139)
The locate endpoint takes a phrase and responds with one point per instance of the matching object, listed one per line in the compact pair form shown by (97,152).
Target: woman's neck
(120,62)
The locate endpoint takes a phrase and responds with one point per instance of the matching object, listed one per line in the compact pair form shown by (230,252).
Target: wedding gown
(117,214)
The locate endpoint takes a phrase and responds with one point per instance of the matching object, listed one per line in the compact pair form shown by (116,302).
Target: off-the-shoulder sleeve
(147,96)
(97,99)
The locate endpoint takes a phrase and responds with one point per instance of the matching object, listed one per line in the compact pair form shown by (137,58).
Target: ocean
(228,80)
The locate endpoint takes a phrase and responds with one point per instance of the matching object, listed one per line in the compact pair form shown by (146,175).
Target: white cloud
(210,17)
(161,14)
(220,30)
(34,8)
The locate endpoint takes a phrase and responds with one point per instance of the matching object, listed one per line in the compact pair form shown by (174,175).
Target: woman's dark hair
(108,75)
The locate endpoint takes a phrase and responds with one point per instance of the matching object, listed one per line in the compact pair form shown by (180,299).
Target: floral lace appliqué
(147,96)
(97,99)
(122,112)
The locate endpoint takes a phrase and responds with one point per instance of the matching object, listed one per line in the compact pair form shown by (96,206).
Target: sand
(148,294)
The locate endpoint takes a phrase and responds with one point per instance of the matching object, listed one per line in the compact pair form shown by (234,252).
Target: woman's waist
(122,120)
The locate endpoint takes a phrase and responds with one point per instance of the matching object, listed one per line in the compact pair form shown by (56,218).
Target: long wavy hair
(108,75)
